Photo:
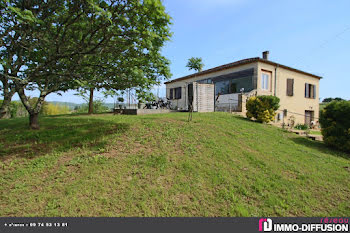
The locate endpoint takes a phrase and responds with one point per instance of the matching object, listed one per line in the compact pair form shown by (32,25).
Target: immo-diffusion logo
(337,225)
(265,224)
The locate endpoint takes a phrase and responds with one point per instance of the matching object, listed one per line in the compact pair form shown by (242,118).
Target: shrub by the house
(335,124)
(263,108)
(301,126)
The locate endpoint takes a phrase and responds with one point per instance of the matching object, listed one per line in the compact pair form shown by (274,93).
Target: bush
(262,108)
(54,109)
(99,107)
(335,125)
(301,127)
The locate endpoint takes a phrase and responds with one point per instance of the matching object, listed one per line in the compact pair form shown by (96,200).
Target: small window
(280,116)
(310,91)
(265,81)
(290,87)
(177,93)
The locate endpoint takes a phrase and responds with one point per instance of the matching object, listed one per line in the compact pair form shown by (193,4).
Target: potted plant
(120,100)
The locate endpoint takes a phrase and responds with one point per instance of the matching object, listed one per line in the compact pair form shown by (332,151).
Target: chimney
(265,55)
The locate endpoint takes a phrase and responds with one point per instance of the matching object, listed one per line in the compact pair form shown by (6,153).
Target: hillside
(161,165)
(73,105)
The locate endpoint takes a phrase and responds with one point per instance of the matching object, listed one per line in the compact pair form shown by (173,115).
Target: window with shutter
(310,91)
(307,90)
(290,87)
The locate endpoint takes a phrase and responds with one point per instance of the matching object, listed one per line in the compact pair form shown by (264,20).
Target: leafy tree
(335,124)
(62,45)
(195,63)
(328,100)
(262,108)
(9,65)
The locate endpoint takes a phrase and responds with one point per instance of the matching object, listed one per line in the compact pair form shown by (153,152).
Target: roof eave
(239,63)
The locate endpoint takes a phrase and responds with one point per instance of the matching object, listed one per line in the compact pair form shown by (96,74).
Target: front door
(309,116)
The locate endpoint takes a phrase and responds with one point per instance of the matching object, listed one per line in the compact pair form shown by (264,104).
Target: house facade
(235,82)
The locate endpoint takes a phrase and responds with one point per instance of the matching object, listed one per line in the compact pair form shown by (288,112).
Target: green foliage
(335,124)
(328,100)
(301,127)
(262,108)
(64,45)
(195,63)
(55,109)
(120,99)
(99,107)
(16,109)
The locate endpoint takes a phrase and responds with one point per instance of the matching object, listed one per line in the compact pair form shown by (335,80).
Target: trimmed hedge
(335,124)
(263,108)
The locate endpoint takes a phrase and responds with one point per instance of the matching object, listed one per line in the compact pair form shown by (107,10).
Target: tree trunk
(8,92)
(33,120)
(5,108)
(33,111)
(91,101)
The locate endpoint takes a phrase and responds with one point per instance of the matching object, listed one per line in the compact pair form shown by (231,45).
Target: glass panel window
(233,88)
(222,87)
(265,81)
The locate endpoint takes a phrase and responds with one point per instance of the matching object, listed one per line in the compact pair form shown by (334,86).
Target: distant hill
(69,104)
(73,105)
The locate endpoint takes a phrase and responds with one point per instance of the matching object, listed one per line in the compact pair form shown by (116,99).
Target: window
(233,87)
(222,87)
(171,93)
(230,86)
(310,91)
(205,81)
(177,93)
(265,81)
(290,87)
(280,116)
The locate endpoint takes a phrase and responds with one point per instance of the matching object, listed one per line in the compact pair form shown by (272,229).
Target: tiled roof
(238,63)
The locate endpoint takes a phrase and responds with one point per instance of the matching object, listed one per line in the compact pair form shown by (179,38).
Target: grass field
(161,165)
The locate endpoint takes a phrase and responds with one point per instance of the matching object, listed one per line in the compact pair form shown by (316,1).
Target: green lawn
(161,165)
(315,132)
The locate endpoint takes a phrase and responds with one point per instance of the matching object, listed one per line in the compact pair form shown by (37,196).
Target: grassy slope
(160,165)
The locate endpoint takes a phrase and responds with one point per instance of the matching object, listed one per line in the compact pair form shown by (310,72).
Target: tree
(335,124)
(195,63)
(328,100)
(62,45)
(9,65)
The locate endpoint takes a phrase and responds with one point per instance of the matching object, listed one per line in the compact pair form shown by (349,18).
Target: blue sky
(309,35)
